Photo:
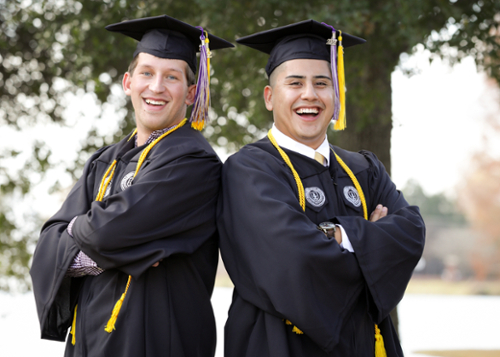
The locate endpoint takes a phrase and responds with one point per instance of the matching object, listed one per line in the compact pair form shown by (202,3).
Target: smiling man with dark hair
(317,240)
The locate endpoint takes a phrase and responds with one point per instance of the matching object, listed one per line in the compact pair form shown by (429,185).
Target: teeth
(155,102)
(307,111)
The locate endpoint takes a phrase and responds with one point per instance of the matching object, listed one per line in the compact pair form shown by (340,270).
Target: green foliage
(51,48)
(437,207)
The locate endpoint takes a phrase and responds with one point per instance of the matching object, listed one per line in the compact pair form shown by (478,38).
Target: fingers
(157,263)
(379,212)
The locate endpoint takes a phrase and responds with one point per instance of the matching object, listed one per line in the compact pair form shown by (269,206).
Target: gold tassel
(110,326)
(73,327)
(198,122)
(379,344)
(340,124)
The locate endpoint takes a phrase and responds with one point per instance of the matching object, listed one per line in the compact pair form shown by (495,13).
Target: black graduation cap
(302,40)
(307,39)
(166,37)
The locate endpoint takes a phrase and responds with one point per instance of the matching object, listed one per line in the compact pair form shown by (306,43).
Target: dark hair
(190,76)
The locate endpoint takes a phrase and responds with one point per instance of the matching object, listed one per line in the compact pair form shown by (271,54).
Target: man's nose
(157,85)
(309,92)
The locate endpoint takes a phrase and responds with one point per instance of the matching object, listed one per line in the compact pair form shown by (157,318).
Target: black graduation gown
(168,213)
(283,267)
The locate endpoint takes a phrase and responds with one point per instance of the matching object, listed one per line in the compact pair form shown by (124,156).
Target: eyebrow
(302,77)
(145,65)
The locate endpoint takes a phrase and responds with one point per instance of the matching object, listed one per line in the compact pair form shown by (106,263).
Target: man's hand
(157,263)
(379,212)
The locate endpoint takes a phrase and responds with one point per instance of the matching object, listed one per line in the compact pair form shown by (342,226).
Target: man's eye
(172,77)
(147,74)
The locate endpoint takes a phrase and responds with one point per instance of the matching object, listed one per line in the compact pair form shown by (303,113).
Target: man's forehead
(147,60)
(304,68)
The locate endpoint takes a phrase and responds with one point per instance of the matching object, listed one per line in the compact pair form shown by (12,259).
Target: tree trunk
(369,112)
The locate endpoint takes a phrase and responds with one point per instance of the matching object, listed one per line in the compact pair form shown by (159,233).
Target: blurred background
(423,93)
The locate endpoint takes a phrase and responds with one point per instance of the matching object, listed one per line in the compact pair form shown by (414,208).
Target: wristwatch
(328,228)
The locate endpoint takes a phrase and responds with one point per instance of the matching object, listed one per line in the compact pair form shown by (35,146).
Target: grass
(426,285)
(420,285)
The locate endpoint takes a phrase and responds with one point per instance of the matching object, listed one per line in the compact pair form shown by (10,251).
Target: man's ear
(268,97)
(126,83)
(190,94)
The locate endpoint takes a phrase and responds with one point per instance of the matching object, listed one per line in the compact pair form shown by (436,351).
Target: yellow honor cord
(340,124)
(300,186)
(148,148)
(355,182)
(110,326)
(379,341)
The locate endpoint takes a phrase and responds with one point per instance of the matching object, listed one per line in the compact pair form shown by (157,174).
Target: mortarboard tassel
(333,62)
(199,114)
(340,124)
(338,78)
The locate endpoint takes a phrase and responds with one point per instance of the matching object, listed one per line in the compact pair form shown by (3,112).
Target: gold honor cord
(379,341)
(300,187)
(110,326)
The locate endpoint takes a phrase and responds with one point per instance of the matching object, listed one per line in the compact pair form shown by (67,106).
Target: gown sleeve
(53,255)
(388,250)
(167,210)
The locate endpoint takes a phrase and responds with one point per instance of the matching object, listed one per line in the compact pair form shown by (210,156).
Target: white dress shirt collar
(290,144)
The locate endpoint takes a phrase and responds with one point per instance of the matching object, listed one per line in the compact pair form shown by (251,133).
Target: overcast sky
(439,122)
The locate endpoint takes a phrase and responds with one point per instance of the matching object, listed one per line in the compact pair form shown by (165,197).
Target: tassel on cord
(110,326)
(379,344)
(73,327)
(340,124)
(199,113)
